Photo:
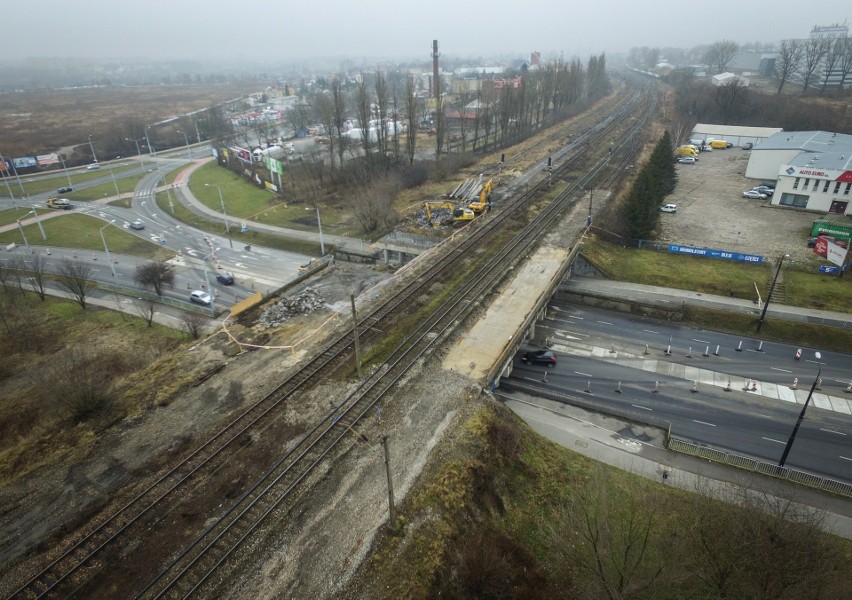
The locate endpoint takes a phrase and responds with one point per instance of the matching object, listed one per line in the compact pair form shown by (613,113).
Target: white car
(687,160)
(669,208)
(200,297)
(754,195)
(93,166)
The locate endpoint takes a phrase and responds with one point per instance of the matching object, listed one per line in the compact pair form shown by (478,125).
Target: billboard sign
(23,162)
(821,247)
(836,254)
(827,269)
(712,253)
(47,159)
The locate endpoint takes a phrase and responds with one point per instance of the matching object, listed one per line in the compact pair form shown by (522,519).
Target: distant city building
(535,59)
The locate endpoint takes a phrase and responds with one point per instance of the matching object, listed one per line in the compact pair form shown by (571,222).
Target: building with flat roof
(811,170)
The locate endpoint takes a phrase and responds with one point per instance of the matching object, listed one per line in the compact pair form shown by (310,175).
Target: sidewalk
(595,436)
(671,298)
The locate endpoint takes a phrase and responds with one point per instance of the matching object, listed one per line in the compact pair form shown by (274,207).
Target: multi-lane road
(200,256)
(600,352)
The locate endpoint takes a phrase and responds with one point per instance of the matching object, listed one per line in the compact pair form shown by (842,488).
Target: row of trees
(834,55)
(655,181)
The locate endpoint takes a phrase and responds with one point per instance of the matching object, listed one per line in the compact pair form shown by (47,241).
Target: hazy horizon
(265,30)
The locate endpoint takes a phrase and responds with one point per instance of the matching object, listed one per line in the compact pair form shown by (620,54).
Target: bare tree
(363,113)
(411,117)
(339,111)
(38,268)
(78,379)
(324,108)
(815,50)
(154,274)
(382,105)
(146,309)
(373,203)
(845,61)
(789,58)
(833,60)
(192,324)
(729,97)
(721,53)
(74,276)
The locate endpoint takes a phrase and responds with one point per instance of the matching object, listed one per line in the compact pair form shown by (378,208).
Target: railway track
(192,567)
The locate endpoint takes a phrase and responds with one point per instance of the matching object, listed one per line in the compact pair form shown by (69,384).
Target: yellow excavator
(484,200)
(459,215)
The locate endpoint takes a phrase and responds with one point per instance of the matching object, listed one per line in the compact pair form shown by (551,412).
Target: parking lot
(712,213)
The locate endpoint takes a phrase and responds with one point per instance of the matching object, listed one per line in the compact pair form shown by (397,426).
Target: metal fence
(759,466)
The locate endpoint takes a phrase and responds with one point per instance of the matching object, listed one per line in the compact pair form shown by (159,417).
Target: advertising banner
(47,159)
(274,165)
(821,247)
(23,162)
(712,253)
(836,254)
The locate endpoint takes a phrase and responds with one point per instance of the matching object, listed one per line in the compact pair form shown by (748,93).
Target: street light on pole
(23,235)
(222,202)
(319,224)
(92,148)
(64,168)
(771,289)
(138,153)
(103,239)
(38,222)
(801,415)
(186,140)
(197,133)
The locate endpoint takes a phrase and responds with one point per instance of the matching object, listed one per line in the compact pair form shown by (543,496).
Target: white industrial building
(812,169)
(732,133)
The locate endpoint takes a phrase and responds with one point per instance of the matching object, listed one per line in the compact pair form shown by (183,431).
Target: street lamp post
(138,153)
(186,140)
(771,289)
(103,239)
(801,416)
(64,168)
(319,224)
(8,187)
(197,133)
(92,148)
(23,235)
(222,202)
(38,222)
(148,141)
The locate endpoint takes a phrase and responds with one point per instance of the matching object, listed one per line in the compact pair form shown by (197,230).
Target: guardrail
(759,466)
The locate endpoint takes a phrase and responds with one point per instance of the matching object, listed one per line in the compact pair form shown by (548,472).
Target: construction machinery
(479,204)
(456,216)
(61,203)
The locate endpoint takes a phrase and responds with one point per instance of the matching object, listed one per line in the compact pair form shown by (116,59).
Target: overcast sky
(288,30)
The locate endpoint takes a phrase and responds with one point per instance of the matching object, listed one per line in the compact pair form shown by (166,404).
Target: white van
(669,208)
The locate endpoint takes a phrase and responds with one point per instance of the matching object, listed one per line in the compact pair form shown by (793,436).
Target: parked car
(225,278)
(669,208)
(754,195)
(200,297)
(748,146)
(137,225)
(842,243)
(764,189)
(65,190)
(687,160)
(93,166)
(539,357)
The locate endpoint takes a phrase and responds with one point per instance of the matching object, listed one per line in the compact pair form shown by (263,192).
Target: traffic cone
(753,385)
(694,387)
(848,390)
(656,389)
(795,385)
(618,389)
(727,388)
(544,379)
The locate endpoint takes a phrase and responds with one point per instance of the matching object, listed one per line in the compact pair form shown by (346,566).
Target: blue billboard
(711,253)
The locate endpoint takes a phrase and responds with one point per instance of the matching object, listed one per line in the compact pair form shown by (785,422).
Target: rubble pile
(440,216)
(306,302)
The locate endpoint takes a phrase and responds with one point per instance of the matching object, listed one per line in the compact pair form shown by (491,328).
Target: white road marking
(604,323)
(703,423)
(702,341)
(649,331)
(771,440)
(832,431)
(784,370)
(764,416)
(583,374)
(844,457)
(642,407)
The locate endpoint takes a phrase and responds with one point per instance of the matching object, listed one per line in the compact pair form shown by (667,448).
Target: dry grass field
(40,122)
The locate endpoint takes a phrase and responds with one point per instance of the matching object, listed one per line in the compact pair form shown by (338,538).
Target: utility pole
(771,289)
(355,335)
(391,507)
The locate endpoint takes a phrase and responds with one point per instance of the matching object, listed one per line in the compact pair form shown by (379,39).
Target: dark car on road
(539,357)
(65,190)
(225,278)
